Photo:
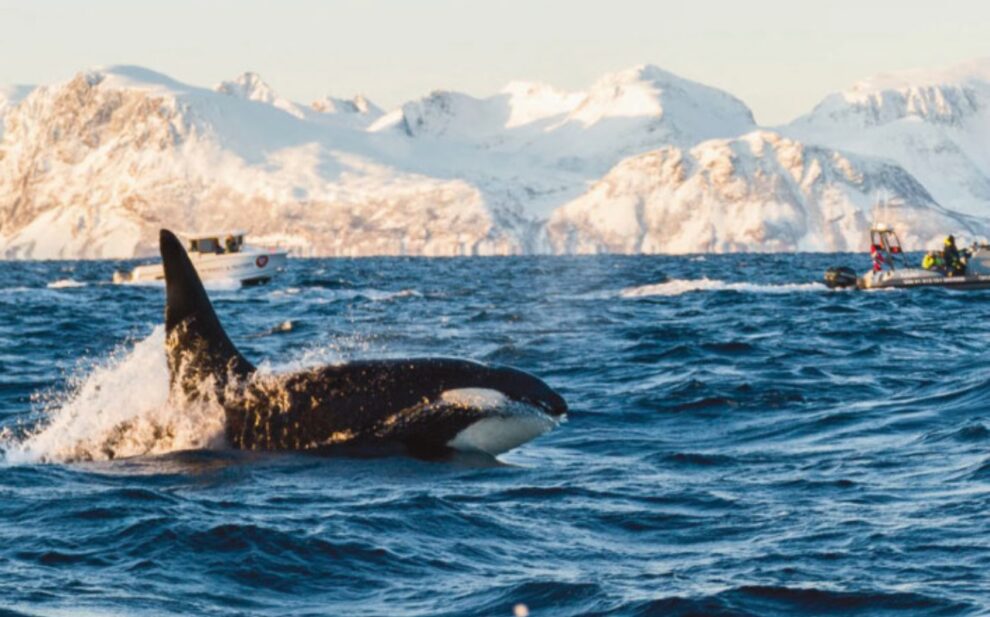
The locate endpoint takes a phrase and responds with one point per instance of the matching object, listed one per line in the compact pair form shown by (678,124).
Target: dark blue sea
(741,441)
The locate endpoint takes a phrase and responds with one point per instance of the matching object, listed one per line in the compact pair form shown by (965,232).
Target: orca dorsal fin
(192,330)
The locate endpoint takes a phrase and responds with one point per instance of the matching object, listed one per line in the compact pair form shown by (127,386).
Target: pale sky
(779,56)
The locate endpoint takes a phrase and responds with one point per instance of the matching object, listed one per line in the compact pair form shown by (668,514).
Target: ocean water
(742,441)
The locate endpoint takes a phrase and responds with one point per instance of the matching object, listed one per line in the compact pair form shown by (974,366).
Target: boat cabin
(216,244)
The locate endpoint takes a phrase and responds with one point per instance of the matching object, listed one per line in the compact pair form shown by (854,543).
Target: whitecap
(65,284)
(676,287)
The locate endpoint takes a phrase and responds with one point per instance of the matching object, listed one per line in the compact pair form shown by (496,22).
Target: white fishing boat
(217,256)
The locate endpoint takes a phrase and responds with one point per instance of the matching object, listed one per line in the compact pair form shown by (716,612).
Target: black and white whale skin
(429,406)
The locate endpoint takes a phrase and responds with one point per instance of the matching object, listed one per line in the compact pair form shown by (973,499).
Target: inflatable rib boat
(891,268)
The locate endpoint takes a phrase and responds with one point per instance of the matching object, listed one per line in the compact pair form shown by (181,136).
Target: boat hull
(248,267)
(913,278)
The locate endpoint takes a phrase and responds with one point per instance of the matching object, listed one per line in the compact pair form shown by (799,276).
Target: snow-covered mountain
(758,192)
(641,161)
(585,133)
(91,167)
(934,123)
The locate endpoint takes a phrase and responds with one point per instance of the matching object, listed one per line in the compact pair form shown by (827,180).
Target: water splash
(220,284)
(118,408)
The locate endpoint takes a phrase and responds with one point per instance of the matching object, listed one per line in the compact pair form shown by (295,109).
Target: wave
(676,287)
(336,294)
(778,600)
(117,408)
(226,284)
(65,284)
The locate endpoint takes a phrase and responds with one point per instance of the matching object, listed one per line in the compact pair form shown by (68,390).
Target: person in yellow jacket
(933,261)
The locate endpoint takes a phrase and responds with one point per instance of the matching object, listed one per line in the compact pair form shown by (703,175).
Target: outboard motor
(840,278)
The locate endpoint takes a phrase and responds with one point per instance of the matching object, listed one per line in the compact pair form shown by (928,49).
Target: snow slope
(934,123)
(758,192)
(532,147)
(621,114)
(250,87)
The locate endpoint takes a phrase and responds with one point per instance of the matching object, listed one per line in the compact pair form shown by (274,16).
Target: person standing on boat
(953,262)
(876,252)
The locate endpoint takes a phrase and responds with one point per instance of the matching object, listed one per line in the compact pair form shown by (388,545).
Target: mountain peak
(643,72)
(251,87)
(357,105)
(647,90)
(132,77)
(963,73)
(946,97)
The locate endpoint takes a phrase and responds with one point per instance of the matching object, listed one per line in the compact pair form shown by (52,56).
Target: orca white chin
(509,425)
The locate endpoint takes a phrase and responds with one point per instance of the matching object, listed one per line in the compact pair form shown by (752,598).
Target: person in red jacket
(876,252)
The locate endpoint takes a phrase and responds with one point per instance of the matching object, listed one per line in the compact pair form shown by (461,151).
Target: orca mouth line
(555,407)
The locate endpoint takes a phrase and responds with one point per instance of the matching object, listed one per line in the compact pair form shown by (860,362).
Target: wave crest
(676,287)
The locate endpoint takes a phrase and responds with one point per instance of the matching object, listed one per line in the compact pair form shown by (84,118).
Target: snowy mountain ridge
(946,96)
(758,190)
(642,161)
(934,123)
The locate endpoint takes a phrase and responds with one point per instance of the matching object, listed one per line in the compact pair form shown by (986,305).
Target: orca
(427,406)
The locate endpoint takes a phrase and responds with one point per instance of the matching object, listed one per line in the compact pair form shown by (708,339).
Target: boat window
(206,245)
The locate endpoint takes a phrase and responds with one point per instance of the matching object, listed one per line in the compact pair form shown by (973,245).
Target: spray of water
(119,408)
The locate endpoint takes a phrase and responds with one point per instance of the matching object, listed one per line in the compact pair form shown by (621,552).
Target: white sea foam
(335,295)
(208,284)
(222,284)
(676,287)
(65,284)
(117,408)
